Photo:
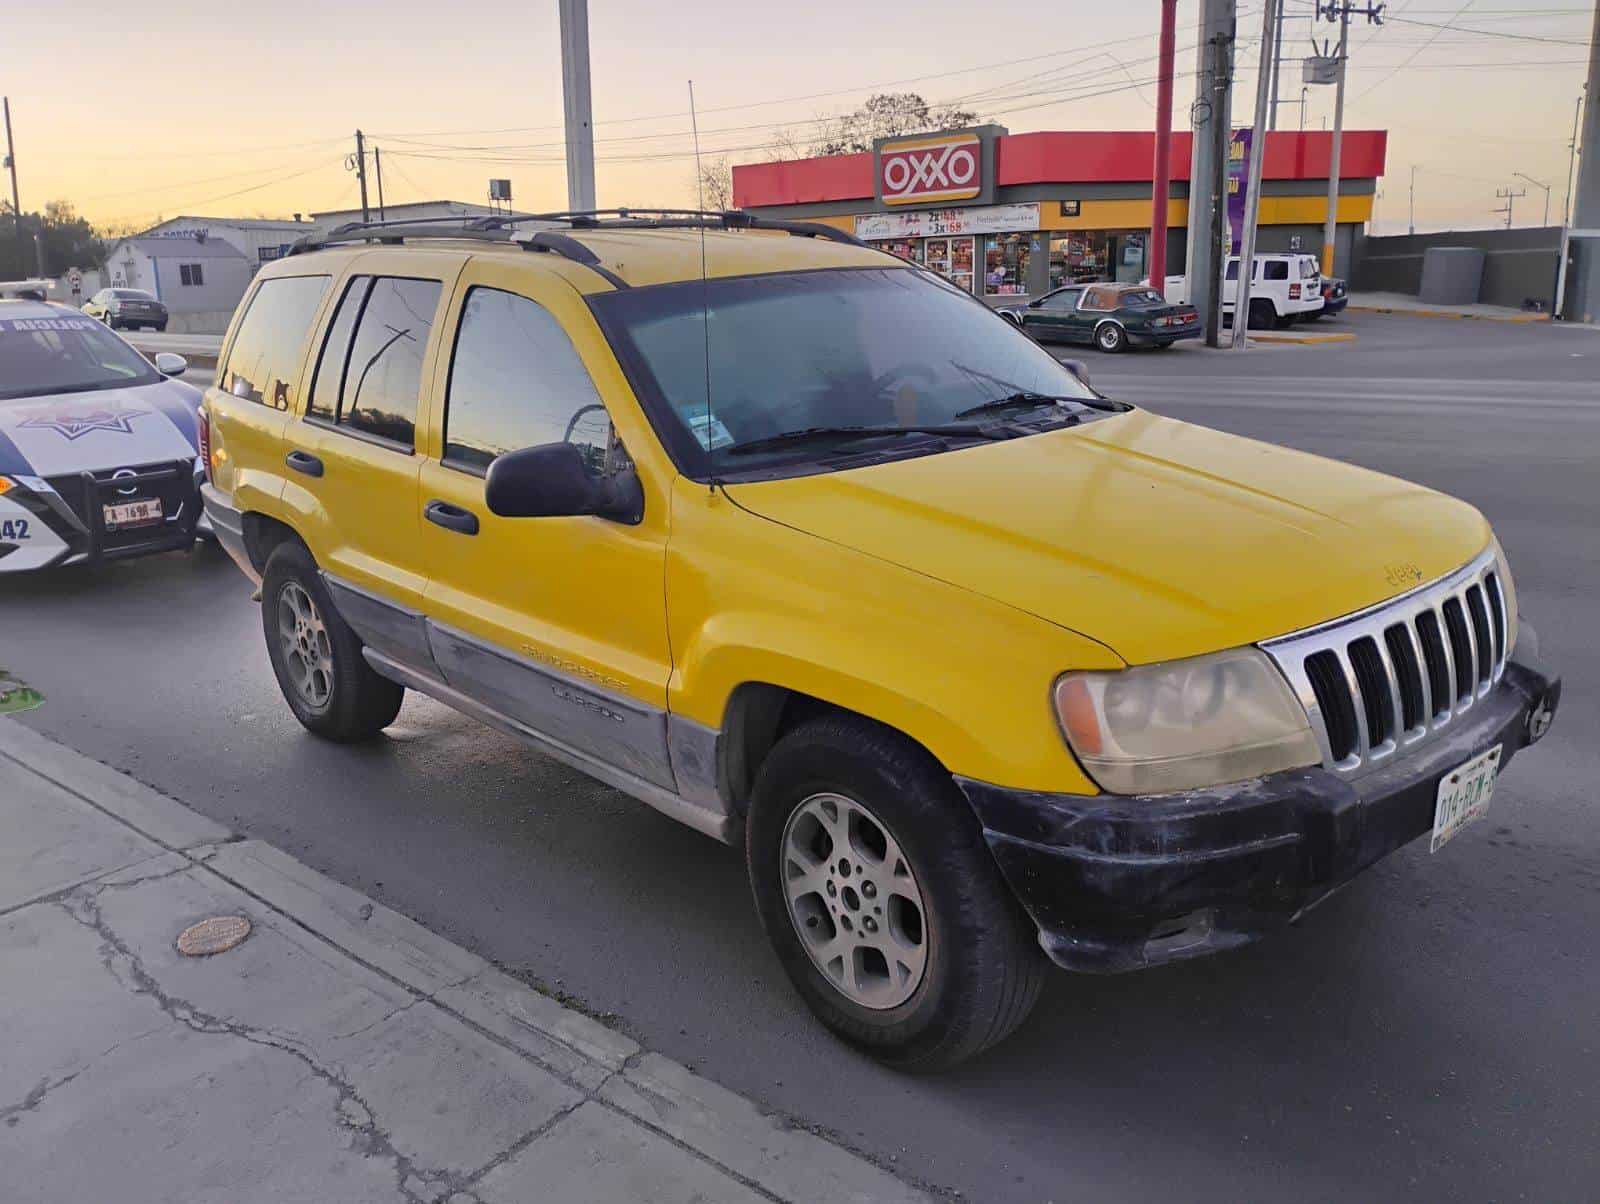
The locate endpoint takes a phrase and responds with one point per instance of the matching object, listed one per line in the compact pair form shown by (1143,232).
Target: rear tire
(315,655)
(918,883)
(1110,338)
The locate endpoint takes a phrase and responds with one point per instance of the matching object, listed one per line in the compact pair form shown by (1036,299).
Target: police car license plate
(1464,795)
(133,514)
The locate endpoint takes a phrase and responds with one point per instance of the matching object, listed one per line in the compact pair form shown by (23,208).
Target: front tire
(1110,338)
(881,899)
(315,655)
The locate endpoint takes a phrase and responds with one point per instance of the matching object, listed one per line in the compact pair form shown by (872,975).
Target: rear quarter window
(264,362)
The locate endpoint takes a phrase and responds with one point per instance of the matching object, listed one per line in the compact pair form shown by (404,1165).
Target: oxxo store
(1015,215)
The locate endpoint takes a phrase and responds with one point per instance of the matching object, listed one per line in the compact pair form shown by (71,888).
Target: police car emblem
(73,423)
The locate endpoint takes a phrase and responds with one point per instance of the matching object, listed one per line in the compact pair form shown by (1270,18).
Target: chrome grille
(1393,677)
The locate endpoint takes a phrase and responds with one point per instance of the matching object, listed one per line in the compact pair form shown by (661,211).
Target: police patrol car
(99,449)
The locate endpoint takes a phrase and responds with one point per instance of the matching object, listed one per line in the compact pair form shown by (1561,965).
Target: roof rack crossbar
(502,228)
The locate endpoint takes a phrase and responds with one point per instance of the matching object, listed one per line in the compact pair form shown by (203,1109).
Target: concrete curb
(1268,338)
(1445,313)
(628,1100)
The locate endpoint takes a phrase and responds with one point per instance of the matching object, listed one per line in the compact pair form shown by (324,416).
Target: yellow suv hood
(1155,537)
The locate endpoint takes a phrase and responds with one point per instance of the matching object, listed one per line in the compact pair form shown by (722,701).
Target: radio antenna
(705,300)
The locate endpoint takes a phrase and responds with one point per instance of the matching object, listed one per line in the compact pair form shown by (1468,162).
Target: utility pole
(16,204)
(1161,175)
(1536,184)
(1572,162)
(1340,10)
(1411,221)
(358,163)
(1258,152)
(1585,233)
(377,168)
(1210,119)
(1277,66)
(1510,198)
(575,100)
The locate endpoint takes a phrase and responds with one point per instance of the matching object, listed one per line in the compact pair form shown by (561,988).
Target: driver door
(557,623)
(1051,317)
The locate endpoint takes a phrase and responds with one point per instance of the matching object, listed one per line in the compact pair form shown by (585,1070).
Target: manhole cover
(216,935)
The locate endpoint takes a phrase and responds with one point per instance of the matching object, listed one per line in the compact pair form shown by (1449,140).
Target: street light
(1536,184)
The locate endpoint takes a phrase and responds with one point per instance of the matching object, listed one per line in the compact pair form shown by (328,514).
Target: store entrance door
(951,258)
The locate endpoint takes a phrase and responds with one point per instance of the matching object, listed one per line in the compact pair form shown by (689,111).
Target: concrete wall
(1519,264)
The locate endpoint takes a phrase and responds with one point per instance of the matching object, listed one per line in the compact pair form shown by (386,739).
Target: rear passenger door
(558,623)
(257,388)
(352,457)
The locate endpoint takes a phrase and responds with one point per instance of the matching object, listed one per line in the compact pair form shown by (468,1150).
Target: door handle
(451,518)
(304,462)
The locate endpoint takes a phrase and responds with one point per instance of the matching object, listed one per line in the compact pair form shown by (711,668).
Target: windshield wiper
(1016,401)
(812,434)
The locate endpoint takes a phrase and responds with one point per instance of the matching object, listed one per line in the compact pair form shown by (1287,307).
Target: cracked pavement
(340,1052)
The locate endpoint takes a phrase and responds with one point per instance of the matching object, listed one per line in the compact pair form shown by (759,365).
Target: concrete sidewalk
(1414,307)
(340,1053)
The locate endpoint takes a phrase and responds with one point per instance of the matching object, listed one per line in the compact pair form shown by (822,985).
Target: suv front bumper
(1121,882)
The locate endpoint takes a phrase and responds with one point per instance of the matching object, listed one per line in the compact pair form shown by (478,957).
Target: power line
(1410,57)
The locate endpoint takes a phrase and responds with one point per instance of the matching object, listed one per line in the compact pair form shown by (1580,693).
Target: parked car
(99,448)
(1109,316)
(127,309)
(1284,288)
(1335,296)
(810,551)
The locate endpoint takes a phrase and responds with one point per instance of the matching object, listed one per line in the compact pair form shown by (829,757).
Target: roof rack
(503,228)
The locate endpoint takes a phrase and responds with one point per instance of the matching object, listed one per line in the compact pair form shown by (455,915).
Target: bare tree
(886,115)
(714,183)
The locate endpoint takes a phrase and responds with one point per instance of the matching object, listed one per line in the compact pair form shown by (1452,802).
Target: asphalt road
(1430,1032)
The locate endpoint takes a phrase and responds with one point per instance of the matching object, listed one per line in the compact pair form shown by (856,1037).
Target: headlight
(1508,591)
(1212,719)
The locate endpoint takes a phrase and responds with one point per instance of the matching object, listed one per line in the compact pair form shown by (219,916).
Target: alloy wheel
(307,649)
(854,901)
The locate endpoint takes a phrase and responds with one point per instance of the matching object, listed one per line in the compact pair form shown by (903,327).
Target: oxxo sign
(935,169)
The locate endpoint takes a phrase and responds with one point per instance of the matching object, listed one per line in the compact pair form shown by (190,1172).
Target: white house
(260,240)
(200,281)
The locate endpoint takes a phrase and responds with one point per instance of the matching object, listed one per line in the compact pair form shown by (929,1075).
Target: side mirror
(1079,369)
(553,480)
(169,364)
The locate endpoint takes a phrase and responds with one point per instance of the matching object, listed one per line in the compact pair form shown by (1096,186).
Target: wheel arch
(758,715)
(263,534)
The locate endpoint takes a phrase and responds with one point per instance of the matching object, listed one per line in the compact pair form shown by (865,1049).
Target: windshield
(66,355)
(132,294)
(874,348)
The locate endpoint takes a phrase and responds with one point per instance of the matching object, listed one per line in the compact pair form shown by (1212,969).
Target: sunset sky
(181,107)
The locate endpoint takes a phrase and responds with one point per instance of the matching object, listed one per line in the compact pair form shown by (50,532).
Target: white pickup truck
(1284,288)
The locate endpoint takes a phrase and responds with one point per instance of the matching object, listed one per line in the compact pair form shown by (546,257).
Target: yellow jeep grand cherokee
(809,550)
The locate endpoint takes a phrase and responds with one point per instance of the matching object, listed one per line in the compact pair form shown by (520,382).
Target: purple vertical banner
(1238,183)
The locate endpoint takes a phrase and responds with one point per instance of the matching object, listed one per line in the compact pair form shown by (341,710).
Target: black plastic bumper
(1120,882)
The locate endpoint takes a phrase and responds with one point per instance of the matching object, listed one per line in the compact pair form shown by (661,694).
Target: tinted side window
(324,403)
(264,364)
(1233,269)
(384,375)
(1063,302)
(516,381)
(1277,269)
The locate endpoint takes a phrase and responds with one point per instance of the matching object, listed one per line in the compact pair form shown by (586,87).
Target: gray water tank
(1452,275)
